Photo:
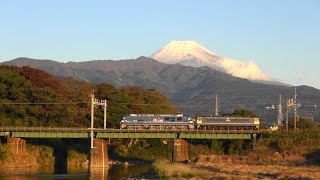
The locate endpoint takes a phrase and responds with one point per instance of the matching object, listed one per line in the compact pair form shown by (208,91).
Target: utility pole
(105,114)
(280,112)
(295,109)
(94,102)
(287,114)
(292,104)
(216,112)
(92,118)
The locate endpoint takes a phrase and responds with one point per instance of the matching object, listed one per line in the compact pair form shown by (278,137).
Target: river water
(140,171)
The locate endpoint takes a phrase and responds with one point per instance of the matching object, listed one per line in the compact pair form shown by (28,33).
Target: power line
(191,104)
(43,103)
(210,105)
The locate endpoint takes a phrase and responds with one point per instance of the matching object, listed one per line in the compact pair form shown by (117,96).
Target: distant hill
(191,89)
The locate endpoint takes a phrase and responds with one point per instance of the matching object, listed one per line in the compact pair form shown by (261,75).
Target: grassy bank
(232,170)
(261,163)
(165,169)
(48,153)
(35,156)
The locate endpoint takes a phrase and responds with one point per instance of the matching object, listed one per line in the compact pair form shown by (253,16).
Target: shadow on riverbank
(313,158)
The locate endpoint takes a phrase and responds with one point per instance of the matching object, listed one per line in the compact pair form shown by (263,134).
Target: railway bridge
(17,136)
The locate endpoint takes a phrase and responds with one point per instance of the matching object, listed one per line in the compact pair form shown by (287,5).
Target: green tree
(243,113)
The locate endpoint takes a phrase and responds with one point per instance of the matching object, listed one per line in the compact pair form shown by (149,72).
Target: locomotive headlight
(199,120)
(256,121)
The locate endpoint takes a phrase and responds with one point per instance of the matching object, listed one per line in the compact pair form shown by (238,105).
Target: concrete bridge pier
(180,150)
(99,154)
(17,146)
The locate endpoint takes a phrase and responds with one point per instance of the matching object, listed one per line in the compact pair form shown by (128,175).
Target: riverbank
(232,167)
(35,156)
(245,171)
(261,163)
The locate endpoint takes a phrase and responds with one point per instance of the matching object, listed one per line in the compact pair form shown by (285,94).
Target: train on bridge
(181,121)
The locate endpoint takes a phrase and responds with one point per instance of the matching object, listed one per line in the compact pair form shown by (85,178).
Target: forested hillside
(31,97)
(190,89)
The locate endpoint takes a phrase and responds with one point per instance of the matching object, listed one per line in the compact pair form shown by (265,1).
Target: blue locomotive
(156,121)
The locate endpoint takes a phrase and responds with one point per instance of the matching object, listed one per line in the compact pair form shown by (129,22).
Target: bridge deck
(49,132)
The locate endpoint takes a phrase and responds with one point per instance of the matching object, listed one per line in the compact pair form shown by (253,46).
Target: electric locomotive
(224,123)
(156,121)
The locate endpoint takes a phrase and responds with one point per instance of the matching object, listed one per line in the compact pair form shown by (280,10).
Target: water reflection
(121,171)
(113,172)
(131,171)
(99,173)
(46,173)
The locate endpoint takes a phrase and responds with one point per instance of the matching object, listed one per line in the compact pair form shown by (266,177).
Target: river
(113,172)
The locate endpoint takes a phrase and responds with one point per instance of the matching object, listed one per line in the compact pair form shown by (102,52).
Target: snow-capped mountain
(190,53)
(187,53)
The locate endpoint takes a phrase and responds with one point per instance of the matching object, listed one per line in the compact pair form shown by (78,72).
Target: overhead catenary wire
(41,103)
(190,91)
(195,103)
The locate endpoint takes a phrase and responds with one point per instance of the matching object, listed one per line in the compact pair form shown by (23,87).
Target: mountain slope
(191,89)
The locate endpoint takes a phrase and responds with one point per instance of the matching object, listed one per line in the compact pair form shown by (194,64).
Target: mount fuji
(191,53)
(188,53)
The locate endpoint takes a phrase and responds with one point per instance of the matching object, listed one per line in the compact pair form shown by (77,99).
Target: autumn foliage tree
(128,100)
(31,97)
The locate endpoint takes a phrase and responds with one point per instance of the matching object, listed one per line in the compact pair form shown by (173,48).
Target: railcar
(156,121)
(235,123)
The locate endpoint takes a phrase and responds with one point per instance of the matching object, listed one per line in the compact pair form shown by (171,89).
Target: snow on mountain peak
(191,53)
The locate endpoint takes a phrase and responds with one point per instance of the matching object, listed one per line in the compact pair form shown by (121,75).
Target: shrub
(44,154)
(4,152)
(282,140)
(76,158)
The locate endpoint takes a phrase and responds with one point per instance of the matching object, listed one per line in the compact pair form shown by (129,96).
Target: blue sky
(281,37)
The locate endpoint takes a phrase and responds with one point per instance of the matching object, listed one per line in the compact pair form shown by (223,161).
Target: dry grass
(166,169)
(244,171)
(230,170)
(262,163)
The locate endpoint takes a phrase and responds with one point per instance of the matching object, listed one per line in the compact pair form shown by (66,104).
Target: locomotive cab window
(127,118)
(179,118)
